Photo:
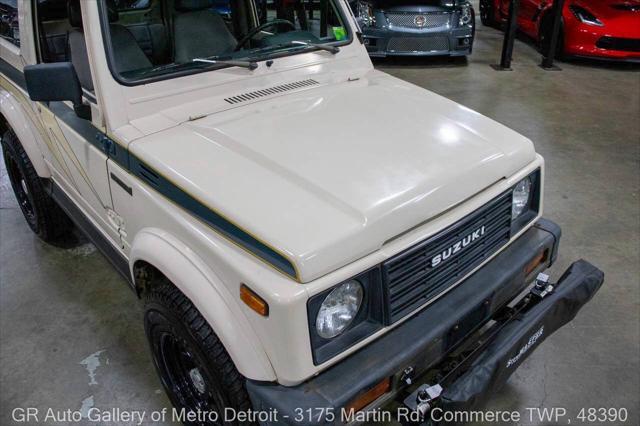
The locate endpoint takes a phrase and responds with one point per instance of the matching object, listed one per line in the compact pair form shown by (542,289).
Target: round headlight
(339,309)
(465,15)
(521,195)
(364,11)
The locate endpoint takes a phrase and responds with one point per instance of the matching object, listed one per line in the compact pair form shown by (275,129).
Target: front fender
(210,296)
(22,124)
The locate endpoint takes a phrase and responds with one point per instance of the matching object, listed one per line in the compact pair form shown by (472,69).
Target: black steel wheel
(473,29)
(184,373)
(196,371)
(486,13)
(20,189)
(43,215)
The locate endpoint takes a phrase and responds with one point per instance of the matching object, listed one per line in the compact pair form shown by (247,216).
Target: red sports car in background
(607,29)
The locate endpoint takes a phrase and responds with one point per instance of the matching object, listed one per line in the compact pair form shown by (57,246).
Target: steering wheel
(252,33)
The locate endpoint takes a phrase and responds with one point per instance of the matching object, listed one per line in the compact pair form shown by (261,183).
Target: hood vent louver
(149,175)
(249,96)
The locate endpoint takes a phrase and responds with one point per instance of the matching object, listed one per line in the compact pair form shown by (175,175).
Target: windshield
(153,39)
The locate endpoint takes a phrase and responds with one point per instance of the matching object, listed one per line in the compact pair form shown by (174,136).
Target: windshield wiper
(252,65)
(160,69)
(322,46)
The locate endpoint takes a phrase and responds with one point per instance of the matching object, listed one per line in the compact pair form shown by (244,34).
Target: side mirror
(56,81)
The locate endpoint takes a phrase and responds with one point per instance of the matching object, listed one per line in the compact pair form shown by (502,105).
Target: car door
(80,168)
(75,154)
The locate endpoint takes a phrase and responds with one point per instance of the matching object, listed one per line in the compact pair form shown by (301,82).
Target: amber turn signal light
(538,260)
(252,300)
(369,396)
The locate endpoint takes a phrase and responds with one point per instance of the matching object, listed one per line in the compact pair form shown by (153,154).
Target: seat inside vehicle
(54,29)
(128,55)
(153,39)
(137,45)
(76,46)
(199,31)
(150,38)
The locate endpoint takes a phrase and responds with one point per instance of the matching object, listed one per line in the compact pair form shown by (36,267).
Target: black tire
(486,13)
(544,37)
(182,341)
(473,30)
(45,218)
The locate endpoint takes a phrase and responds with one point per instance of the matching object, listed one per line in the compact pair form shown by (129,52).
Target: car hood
(329,174)
(620,17)
(608,7)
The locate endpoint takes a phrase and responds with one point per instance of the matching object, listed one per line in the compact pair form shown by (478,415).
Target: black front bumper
(382,43)
(388,39)
(424,341)
(519,335)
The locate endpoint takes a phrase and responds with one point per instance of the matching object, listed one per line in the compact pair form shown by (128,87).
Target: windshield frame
(106,37)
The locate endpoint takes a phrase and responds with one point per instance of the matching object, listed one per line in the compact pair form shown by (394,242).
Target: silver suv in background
(416,27)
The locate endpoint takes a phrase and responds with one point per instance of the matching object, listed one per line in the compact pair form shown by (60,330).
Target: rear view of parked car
(416,27)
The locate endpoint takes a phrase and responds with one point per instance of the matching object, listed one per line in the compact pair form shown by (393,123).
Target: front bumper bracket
(504,346)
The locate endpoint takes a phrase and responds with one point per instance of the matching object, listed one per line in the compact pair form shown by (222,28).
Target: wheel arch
(157,251)
(13,117)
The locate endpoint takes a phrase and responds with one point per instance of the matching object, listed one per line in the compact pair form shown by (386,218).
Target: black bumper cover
(521,336)
(425,340)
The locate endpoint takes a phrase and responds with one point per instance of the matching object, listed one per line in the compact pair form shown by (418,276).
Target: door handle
(123,185)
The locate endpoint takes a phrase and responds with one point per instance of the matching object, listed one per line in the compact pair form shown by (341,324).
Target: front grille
(615,43)
(418,20)
(418,44)
(411,280)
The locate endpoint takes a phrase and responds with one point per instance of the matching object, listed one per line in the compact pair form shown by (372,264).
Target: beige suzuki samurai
(311,238)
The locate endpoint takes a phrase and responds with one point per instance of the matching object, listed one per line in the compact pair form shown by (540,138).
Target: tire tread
(163,292)
(52,222)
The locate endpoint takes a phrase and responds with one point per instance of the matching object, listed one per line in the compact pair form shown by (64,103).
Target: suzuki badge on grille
(457,246)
